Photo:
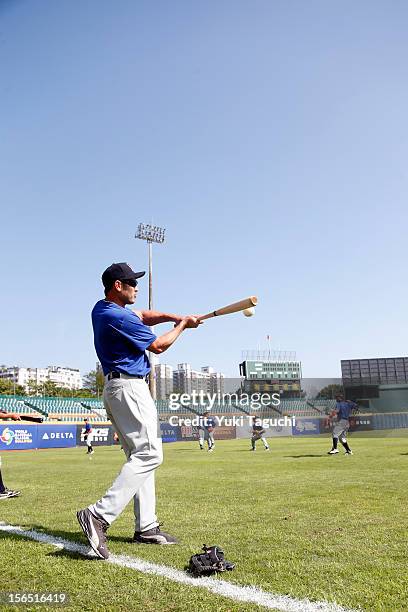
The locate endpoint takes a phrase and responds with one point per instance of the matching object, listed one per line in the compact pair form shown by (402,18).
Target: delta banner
(102,435)
(56,436)
(306,427)
(18,437)
(169,433)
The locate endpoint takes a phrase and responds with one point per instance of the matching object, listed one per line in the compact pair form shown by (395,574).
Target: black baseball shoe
(7,493)
(154,536)
(95,530)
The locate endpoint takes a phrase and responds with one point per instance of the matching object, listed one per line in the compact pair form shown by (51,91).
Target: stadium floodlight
(151,233)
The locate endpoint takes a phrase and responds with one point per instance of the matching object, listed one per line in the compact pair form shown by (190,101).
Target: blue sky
(270,138)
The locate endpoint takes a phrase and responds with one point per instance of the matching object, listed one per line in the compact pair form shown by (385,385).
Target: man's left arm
(154,317)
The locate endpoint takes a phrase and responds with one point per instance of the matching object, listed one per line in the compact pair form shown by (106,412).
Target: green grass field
(294,520)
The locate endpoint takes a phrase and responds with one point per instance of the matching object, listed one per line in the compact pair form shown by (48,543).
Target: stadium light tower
(151,233)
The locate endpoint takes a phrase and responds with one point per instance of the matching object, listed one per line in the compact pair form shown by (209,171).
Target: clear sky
(269,137)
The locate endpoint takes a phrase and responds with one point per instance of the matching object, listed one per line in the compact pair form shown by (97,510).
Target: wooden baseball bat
(235,307)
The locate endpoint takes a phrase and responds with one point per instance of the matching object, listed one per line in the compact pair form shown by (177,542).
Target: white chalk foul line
(247,594)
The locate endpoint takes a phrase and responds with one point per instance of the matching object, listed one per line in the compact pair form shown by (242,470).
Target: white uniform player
(258,433)
(88,437)
(206,431)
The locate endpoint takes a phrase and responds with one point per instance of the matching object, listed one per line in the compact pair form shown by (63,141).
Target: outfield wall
(18,436)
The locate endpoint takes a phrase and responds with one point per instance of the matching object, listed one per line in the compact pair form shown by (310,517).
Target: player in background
(340,417)
(258,433)
(4,492)
(88,437)
(206,431)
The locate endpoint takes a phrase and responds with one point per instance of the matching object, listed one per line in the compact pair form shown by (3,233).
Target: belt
(118,375)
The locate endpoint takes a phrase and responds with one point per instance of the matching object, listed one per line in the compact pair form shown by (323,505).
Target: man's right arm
(162,343)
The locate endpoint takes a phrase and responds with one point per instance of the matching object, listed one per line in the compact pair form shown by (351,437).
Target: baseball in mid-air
(248,312)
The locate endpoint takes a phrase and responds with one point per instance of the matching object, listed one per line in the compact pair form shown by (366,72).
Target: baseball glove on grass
(209,562)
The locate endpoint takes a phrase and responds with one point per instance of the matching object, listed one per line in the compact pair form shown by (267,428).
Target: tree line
(93,387)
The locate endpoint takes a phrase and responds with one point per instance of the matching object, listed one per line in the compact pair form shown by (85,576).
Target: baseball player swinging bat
(248,302)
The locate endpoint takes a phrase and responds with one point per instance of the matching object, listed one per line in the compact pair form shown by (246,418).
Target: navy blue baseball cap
(119,271)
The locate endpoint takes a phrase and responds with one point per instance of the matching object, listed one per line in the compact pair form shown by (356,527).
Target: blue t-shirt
(88,427)
(344,409)
(121,339)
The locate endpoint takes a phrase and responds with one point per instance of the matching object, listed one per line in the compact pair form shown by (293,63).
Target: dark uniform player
(205,430)
(341,423)
(4,492)
(258,433)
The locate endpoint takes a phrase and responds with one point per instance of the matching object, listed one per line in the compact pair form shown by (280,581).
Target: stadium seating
(16,404)
(56,408)
(96,406)
(297,407)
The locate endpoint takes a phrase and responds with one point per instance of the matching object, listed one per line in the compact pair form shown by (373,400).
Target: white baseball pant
(204,434)
(340,429)
(133,414)
(255,438)
(89,439)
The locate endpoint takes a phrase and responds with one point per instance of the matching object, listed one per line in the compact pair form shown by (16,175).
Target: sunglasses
(132,282)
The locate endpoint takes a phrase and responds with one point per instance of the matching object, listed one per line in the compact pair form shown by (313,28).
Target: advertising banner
(279,431)
(102,435)
(271,431)
(224,432)
(188,432)
(306,427)
(56,436)
(326,426)
(17,437)
(361,423)
(243,430)
(169,433)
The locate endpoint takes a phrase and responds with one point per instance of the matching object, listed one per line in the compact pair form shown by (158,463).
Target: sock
(2,487)
(346,446)
(335,441)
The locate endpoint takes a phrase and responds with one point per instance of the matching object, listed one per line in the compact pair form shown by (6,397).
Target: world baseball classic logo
(7,436)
